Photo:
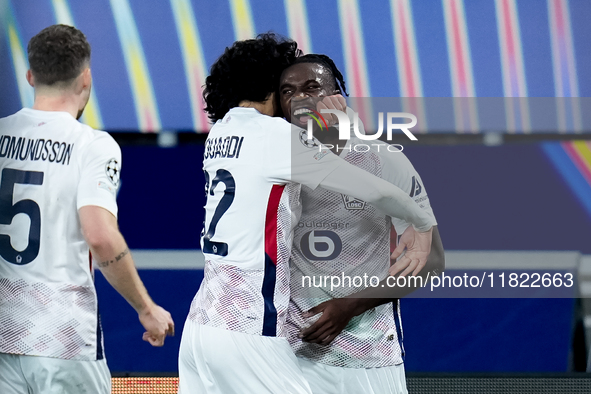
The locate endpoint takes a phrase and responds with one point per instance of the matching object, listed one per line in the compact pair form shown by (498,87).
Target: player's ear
(86,77)
(30,78)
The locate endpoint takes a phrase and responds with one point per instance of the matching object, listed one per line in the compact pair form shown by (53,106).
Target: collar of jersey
(44,114)
(244,109)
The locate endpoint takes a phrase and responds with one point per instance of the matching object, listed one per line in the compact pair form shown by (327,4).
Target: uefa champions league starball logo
(112,170)
(308,142)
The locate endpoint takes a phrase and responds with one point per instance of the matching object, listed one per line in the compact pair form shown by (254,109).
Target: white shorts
(326,379)
(217,361)
(44,375)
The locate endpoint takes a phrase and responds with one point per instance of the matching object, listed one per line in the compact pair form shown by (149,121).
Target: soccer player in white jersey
(58,183)
(367,355)
(234,339)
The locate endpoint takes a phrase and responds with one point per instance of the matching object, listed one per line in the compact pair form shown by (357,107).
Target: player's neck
(58,102)
(266,107)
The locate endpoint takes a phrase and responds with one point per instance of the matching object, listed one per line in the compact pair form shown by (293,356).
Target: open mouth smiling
(302,115)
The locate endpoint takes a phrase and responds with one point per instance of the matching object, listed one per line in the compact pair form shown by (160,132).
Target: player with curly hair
(234,340)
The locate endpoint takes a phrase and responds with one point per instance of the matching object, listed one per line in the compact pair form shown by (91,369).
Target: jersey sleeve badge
(112,169)
(308,143)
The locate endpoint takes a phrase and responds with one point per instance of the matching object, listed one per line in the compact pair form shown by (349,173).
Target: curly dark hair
(248,70)
(339,81)
(58,54)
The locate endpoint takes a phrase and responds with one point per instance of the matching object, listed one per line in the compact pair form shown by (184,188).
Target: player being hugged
(356,345)
(234,340)
(58,183)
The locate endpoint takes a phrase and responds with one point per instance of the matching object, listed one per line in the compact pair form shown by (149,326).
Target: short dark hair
(339,81)
(248,70)
(58,53)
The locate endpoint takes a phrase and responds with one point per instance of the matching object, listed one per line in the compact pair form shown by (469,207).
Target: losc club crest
(308,143)
(353,204)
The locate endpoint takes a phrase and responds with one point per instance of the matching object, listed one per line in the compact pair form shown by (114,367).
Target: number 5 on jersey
(8,211)
(221,176)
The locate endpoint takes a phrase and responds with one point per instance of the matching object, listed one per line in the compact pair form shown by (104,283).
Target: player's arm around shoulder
(398,170)
(286,156)
(427,248)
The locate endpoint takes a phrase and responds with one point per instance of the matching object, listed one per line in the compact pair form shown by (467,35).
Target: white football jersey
(50,166)
(339,235)
(254,165)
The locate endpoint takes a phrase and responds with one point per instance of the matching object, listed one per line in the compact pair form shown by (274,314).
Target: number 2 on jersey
(221,176)
(8,211)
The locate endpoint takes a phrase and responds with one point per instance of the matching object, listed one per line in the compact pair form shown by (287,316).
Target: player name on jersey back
(21,148)
(223,147)
(51,166)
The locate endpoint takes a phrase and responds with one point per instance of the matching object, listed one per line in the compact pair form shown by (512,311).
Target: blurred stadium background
(521,193)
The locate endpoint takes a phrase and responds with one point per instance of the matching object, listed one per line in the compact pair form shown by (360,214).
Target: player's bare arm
(338,312)
(109,249)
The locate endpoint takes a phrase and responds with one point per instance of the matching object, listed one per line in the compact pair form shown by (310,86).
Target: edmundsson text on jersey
(20,148)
